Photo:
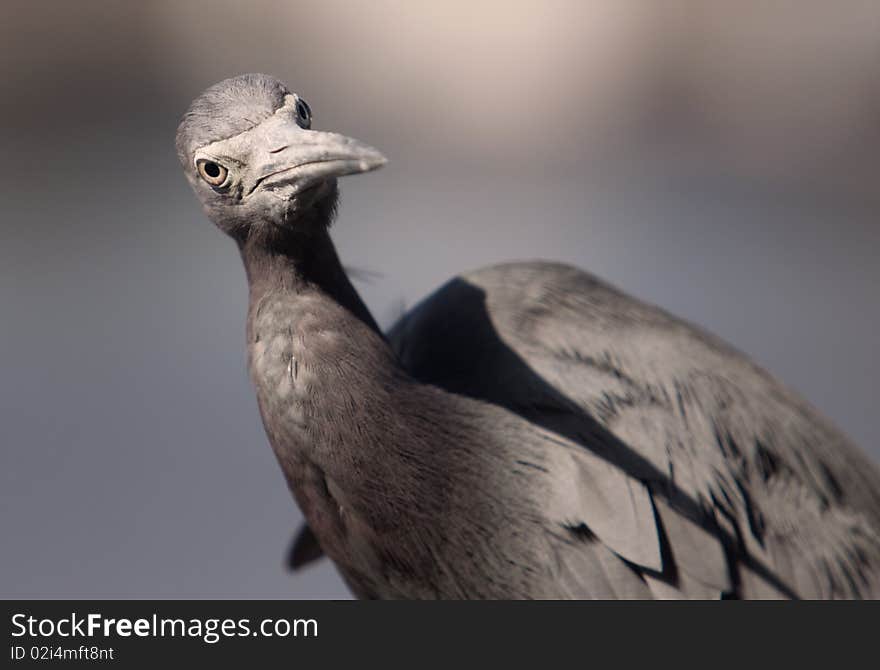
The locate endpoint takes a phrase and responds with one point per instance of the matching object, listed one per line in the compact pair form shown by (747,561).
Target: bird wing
(697,468)
(304,548)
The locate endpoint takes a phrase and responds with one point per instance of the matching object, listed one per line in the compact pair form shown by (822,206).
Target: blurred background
(717,158)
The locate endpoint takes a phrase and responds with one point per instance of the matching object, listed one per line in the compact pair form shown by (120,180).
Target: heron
(526,431)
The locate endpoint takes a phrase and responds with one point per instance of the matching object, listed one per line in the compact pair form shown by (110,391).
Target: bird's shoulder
(733,467)
(574,330)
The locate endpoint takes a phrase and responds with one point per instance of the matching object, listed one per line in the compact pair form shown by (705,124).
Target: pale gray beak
(295,159)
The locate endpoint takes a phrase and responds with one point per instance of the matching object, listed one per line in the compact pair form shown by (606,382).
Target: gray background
(719,159)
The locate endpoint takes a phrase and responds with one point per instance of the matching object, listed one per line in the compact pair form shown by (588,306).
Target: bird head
(248,150)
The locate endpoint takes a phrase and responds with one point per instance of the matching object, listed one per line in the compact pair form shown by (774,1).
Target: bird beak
(297,159)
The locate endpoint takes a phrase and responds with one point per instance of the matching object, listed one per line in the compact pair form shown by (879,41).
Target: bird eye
(213,173)
(303,114)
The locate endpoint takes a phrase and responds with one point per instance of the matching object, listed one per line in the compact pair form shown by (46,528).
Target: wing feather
(755,492)
(614,506)
(696,551)
(587,569)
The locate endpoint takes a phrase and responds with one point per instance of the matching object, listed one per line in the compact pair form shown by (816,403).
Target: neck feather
(321,366)
(301,263)
(336,404)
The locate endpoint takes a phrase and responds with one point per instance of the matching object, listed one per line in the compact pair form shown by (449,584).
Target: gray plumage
(525,432)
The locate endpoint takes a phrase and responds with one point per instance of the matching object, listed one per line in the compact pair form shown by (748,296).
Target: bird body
(525,432)
(753,493)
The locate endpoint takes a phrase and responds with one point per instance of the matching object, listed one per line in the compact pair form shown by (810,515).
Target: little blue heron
(527,431)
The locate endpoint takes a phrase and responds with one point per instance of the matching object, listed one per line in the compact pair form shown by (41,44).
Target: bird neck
(301,263)
(321,367)
(344,419)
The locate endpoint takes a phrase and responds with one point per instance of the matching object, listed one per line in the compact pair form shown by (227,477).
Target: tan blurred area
(768,90)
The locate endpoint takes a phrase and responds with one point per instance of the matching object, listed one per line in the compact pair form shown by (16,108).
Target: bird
(527,431)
